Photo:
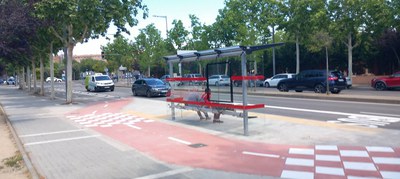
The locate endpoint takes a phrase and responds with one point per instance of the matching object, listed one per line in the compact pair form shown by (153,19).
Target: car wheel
(134,92)
(266,85)
(335,91)
(148,94)
(380,86)
(236,83)
(319,88)
(299,91)
(216,83)
(112,89)
(283,87)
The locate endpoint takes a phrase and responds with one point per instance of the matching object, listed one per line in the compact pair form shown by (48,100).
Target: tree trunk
(28,79)
(148,71)
(350,56)
(52,96)
(34,75)
(21,78)
(69,73)
(297,55)
(41,77)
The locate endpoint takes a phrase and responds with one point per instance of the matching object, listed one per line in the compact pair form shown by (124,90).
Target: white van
(99,83)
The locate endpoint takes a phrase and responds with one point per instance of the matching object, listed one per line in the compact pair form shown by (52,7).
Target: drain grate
(197,145)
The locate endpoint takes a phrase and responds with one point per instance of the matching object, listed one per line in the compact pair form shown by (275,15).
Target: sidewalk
(133,138)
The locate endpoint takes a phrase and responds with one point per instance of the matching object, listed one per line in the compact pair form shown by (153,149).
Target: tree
(118,53)
(151,48)
(347,20)
(178,34)
(79,20)
(295,12)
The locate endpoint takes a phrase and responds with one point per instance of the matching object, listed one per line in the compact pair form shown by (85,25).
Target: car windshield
(224,76)
(100,78)
(337,74)
(154,82)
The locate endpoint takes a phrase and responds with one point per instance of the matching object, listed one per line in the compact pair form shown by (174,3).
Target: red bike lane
(184,146)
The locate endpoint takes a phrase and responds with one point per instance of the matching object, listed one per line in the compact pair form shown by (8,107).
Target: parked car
(349,82)
(219,80)
(193,82)
(250,83)
(150,87)
(10,81)
(314,80)
(48,79)
(273,81)
(1,81)
(383,83)
(164,78)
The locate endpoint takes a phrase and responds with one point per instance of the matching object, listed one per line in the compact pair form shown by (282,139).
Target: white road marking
(166,174)
(359,166)
(260,154)
(379,149)
(50,133)
(60,140)
(390,174)
(301,151)
(329,170)
(330,158)
(372,121)
(179,140)
(300,162)
(132,126)
(354,153)
(297,174)
(381,114)
(326,147)
(386,160)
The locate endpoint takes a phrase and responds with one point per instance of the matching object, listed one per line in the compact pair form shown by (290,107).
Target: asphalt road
(373,115)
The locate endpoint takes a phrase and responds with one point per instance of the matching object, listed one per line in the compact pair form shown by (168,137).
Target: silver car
(219,80)
(273,81)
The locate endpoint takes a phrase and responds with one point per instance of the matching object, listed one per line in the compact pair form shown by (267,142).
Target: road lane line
(132,126)
(179,140)
(260,154)
(166,174)
(60,140)
(50,133)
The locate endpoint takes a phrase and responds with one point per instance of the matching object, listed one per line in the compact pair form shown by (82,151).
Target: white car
(273,81)
(219,80)
(48,79)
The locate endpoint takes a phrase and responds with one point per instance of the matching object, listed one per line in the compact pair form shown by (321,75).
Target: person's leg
(206,114)
(216,118)
(199,113)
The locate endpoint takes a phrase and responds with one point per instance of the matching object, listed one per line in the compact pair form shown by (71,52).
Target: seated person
(196,97)
(206,96)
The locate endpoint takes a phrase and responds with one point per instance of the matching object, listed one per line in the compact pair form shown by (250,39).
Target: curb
(27,161)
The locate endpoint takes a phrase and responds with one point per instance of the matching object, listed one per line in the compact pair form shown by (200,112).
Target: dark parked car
(314,80)
(150,87)
(382,83)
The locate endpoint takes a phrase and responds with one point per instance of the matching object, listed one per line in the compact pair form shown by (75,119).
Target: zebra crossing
(107,119)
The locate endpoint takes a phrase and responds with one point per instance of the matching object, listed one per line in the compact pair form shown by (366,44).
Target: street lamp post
(166,23)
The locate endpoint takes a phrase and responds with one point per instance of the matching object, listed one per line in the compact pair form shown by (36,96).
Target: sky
(205,10)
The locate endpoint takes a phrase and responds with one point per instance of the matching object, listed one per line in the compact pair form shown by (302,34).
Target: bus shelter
(230,106)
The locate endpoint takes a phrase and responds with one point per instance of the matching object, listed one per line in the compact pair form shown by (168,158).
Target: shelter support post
(244,87)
